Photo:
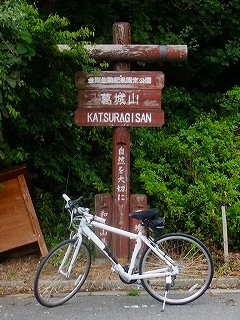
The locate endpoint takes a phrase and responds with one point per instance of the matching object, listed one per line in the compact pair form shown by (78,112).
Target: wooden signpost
(120,98)
(123,99)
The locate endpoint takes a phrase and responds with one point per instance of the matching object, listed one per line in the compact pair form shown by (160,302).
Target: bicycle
(176,268)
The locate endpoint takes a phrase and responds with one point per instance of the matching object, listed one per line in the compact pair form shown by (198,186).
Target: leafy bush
(37,101)
(189,168)
(37,105)
(53,219)
(190,175)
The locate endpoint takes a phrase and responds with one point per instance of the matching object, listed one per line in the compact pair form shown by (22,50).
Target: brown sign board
(120,79)
(119,98)
(117,117)
(123,98)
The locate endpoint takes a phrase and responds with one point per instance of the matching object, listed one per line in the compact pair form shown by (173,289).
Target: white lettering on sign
(103,234)
(106,98)
(121,175)
(119,117)
(119,99)
(120,79)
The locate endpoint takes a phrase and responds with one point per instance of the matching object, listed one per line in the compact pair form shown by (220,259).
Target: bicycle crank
(126,268)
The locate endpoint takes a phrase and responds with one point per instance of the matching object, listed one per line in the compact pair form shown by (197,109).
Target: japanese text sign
(119,98)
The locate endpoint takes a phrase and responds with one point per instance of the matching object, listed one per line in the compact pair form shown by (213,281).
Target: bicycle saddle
(144,215)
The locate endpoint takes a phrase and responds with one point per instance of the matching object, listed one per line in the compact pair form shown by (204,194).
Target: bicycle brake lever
(70,203)
(75,201)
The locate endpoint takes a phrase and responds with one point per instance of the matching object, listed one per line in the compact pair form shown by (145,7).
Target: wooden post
(138,202)
(103,205)
(123,99)
(121,160)
(225,234)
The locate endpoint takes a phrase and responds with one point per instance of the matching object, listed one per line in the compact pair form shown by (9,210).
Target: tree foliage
(189,176)
(38,98)
(189,168)
(210,28)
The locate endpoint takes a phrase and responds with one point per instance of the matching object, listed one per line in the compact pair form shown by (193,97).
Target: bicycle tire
(52,288)
(195,263)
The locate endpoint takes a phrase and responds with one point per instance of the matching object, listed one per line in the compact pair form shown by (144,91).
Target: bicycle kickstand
(168,285)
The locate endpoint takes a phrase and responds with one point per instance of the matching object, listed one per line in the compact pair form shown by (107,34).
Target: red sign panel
(118,117)
(126,98)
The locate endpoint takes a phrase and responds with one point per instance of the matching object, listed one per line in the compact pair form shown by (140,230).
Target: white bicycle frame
(88,220)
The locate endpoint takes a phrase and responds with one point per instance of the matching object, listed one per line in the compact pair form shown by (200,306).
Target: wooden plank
(6,175)
(119,98)
(32,215)
(18,221)
(11,192)
(15,229)
(14,219)
(23,234)
(120,80)
(13,173)
(134,52)
(116,117)
(137,52)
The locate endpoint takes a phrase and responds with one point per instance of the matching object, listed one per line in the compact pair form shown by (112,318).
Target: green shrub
(37,103)
(189,176)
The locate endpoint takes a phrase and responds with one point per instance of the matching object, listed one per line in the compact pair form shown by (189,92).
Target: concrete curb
(221,283)
(228,282)
(118,285)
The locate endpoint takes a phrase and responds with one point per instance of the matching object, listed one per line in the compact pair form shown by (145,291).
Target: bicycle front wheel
(195,269)
(55,281)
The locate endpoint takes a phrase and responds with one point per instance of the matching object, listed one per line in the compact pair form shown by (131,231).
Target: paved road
(215,305)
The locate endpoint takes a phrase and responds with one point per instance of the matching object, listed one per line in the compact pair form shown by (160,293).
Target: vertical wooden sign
(121,159)
(122,99)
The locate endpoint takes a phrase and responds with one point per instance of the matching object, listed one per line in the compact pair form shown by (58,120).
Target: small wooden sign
(119,98)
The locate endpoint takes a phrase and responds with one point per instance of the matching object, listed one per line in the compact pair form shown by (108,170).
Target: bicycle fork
(65,260)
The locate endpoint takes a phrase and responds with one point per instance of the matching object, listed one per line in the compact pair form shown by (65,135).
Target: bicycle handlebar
(70,203)
(84,211)
(95,218)
(66,197)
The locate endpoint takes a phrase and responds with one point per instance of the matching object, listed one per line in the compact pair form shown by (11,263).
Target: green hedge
(190,175)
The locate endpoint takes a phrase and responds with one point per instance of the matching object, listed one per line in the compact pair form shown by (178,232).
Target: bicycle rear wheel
(195,264)
(53,285)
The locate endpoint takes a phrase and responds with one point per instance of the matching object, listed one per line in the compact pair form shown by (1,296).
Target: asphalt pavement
(214,305)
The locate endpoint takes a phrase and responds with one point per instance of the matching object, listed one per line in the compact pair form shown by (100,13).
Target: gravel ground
(17,275)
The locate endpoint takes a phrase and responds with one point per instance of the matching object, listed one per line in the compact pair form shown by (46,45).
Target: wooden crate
(19,226)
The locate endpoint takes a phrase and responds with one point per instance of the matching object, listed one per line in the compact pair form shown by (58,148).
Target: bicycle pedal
(126,268)
(139,285)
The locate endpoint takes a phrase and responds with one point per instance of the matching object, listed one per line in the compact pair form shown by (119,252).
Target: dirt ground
(20,272)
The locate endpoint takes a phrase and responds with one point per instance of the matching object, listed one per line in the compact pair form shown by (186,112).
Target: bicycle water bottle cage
(149,219)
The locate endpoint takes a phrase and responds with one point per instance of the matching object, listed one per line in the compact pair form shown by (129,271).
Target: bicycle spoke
(53,287)
(195,269)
